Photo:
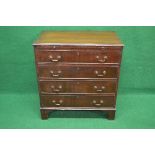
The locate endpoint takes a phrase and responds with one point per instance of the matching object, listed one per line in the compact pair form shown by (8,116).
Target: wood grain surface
(78,37)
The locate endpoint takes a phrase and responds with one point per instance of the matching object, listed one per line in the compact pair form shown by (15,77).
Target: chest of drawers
(78,71)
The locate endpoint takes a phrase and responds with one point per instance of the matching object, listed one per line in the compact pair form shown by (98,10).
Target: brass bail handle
(56,75)
(54,60)
(100,75)
(99,90)
(100,59)
(57,103)
(56,90)
(96,103)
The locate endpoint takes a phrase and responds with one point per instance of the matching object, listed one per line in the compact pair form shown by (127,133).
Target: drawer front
(60,72)
(48,87)
(77,101)
(111,56)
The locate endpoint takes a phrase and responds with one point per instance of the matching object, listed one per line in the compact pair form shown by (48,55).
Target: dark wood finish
(78,71)
(78,86)
(44,113)
(105,56)
(111,114)
(78,101)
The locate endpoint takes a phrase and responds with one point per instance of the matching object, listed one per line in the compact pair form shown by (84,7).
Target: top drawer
(106,56)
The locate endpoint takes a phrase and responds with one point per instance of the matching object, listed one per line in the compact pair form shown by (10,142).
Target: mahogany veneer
(78,70)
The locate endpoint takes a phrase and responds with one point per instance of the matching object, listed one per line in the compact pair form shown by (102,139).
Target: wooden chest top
(78,38)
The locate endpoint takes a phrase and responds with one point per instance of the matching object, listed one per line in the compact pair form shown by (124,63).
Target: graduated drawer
(77,101)
(77,71)
(83,56)
(100,86)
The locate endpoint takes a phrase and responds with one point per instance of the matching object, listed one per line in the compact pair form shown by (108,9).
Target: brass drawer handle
(100,75)
(102,60)
(56,90)
(99,90)
(54,60)
(98,104)
(57,103)
(55,75)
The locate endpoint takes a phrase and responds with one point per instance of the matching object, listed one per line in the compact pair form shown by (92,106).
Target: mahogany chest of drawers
(78,70)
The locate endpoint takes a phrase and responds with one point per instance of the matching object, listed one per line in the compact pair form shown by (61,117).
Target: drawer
(83,56)
(77,101)
(100,86)
(81,71)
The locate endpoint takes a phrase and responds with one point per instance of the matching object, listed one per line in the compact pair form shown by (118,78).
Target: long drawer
(78,86)
(77,101)
(86,56)
(77,71)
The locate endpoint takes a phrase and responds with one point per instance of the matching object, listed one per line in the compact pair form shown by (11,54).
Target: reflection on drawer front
(77,101)
(99,86)
(52,72)
(112,56)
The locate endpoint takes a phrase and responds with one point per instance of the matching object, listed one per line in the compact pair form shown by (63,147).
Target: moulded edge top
(76,38)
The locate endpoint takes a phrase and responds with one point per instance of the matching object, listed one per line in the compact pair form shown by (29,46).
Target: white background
(77,13)
(77,142)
